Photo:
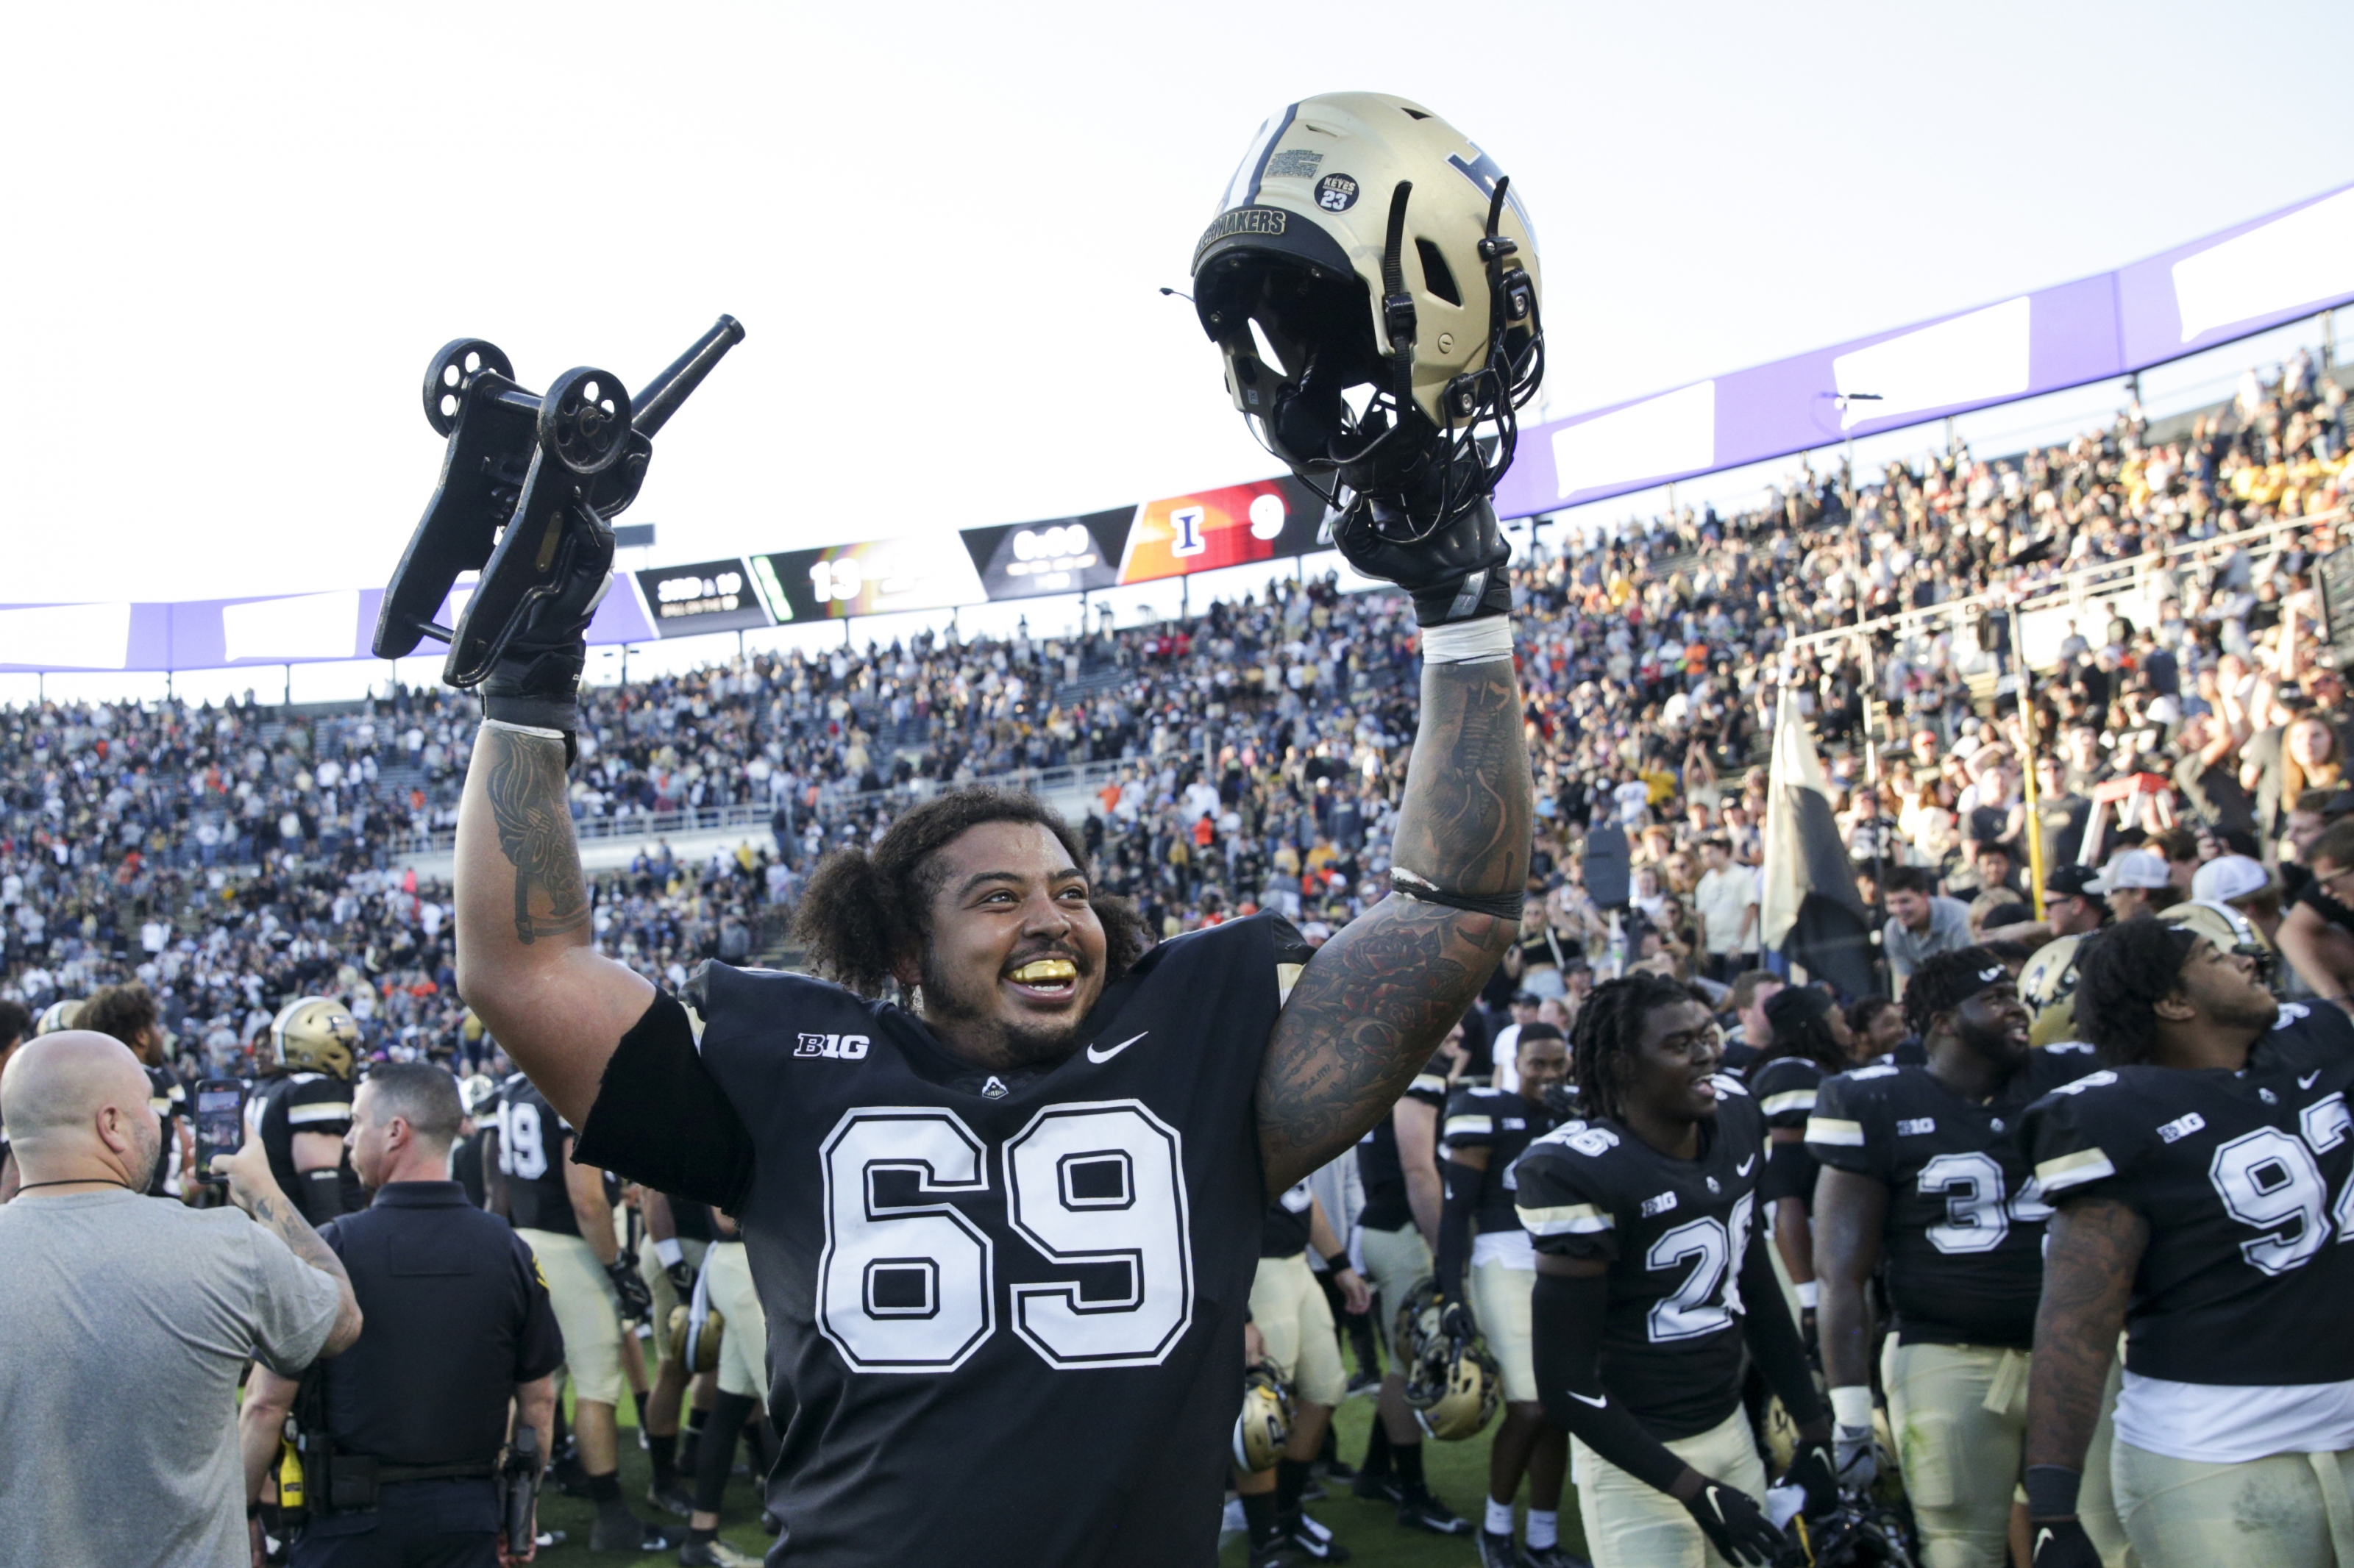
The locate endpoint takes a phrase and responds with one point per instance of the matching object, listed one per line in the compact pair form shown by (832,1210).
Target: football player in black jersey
(1653,1286)
(128,1013)
(1005,1233)
(560,1210)
(1921,1167)
(1811,1039)
(1397,1232)
(1485,1132)
(301,1109)
(2204,1184)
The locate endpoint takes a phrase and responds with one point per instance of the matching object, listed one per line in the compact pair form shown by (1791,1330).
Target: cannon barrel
(661,398)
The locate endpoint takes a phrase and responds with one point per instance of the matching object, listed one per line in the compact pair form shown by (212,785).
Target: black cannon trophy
(530,484)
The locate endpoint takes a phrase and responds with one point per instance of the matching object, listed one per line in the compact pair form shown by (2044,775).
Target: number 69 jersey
(1963,1233)
(2247,1181)
(1674,1232)
(1005,1309)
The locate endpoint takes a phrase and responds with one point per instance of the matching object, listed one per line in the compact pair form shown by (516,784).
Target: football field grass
(1457,1472)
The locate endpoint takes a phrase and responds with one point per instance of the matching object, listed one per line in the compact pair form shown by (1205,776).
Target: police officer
(414,1415)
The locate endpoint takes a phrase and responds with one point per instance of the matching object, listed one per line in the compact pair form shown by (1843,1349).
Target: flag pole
(2022,693)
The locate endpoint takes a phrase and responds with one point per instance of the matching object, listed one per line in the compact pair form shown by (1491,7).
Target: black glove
(536,680)
(1456,574)
(1736,1527)
(1813,1469)
(682,1278)
(637,1301)
(2062,1543)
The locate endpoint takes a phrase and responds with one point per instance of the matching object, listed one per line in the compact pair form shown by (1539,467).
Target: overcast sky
(238,232)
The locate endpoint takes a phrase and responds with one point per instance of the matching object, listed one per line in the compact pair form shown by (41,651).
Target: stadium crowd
(196,869)
(234,856)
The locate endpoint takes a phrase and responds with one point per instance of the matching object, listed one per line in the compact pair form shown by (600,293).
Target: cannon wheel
(458,362)
(584,420)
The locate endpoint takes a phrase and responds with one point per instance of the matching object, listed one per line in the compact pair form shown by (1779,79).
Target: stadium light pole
(1845,400)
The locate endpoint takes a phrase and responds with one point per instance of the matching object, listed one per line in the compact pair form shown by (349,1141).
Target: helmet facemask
(1337,401)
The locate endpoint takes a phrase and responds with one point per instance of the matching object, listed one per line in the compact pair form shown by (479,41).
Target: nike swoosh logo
(1100,1057)
(1743,1169)
(2306,1080)
(1588,1399)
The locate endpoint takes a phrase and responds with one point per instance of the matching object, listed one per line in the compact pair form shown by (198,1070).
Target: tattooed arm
(1379,997)
(2093,1252)
(524,963)
(252,1188)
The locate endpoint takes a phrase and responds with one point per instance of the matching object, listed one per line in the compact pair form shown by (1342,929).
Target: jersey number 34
(907,1283)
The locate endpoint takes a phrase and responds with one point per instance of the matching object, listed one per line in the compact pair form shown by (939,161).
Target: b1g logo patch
(834,1047)
(1336,193)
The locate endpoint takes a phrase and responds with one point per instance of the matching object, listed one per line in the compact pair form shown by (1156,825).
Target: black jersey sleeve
(319,1105)
(1785,1090)
(1848,1128)
(2077,1141)
(1428,1087)
(660,1118)
(1565,1205)
(1470,1122)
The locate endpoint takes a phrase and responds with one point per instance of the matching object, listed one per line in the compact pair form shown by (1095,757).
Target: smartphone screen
(220,1122)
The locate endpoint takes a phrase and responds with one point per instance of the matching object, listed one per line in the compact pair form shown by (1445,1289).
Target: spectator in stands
(1921,922)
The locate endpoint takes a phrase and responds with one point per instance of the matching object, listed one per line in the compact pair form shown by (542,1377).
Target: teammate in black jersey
(1922,1169)
(560,1210)
(1486,1131)
(1004,1236)
(1811,1040)
(128,1013)
(1653,1285)
(301,1109)
(1397,1233)
(2204,1183)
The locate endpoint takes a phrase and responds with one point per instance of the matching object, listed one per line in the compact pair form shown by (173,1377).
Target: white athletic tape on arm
(1852,1406)
(1468,641)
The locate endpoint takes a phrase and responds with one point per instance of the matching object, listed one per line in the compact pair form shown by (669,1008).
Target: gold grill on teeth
(1038,969)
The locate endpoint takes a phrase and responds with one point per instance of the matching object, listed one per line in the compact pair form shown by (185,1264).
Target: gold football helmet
(697,1345)
(59,1015)
(2227,929)
(1264,1425)
(1364,242)
(2048,986)
(1452,1383)
(316,1034)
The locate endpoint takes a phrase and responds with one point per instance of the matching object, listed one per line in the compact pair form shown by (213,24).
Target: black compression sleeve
(1566,1343)
(1455,1225)
(1789,1174)
(1773,1339)
(320,1195)
(661,1118)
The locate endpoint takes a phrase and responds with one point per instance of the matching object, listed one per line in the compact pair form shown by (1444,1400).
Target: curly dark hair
(1609,1031)
(1942,982)
(2122,974)
(125,1012)
(866,909)
(1797,1014)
